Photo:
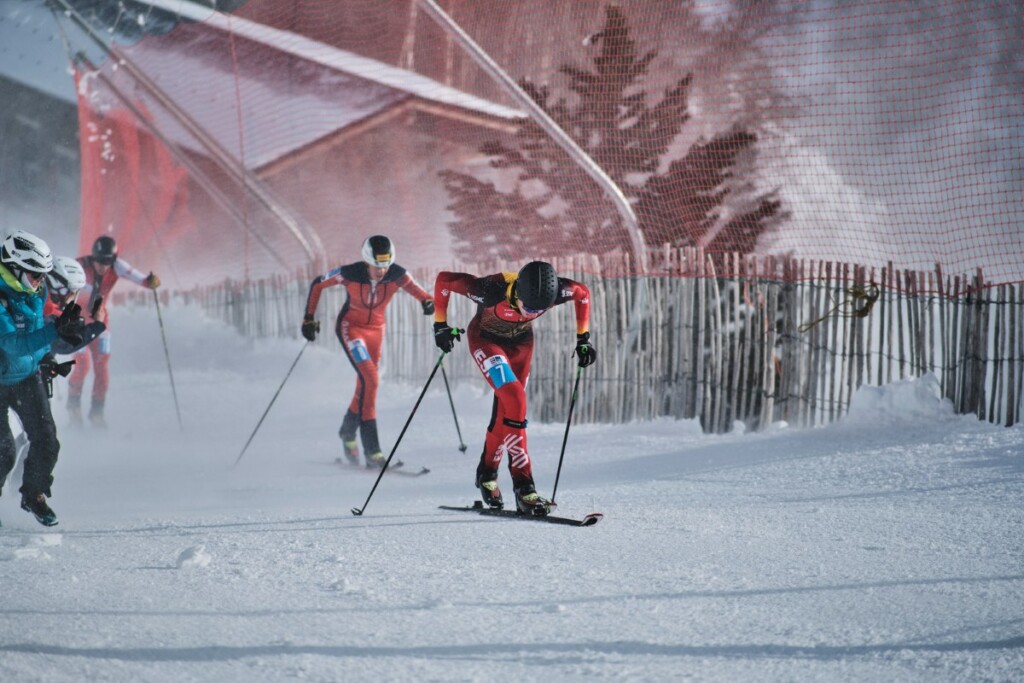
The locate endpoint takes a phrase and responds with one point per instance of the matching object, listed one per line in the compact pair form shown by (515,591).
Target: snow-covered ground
(886,548)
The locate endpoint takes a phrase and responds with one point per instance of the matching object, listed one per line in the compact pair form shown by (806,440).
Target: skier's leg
(507,431)
(486,474)
(362,347)
(8,450)
(347,432)
(33,408)
(513,413)
(101,378)
(521,465)
(369,370)
(76,383)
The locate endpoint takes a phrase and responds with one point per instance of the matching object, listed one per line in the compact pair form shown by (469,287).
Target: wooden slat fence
(776,340)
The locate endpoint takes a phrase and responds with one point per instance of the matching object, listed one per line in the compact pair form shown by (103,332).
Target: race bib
(358,350)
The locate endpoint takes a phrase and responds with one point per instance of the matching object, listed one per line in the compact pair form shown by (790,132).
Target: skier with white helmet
(64,283)
(25,337)
(370,284)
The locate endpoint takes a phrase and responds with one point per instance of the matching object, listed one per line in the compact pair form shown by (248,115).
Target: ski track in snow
(887,547)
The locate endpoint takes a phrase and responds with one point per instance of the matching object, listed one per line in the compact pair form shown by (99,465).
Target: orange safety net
(131,186)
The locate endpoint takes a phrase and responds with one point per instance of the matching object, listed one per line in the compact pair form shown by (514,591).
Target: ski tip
(357,512)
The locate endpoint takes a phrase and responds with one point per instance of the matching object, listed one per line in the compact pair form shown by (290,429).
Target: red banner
(132,188)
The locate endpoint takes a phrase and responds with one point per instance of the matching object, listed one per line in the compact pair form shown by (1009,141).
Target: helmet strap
(512,294)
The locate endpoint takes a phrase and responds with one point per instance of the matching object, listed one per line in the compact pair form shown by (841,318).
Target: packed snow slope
(885,548)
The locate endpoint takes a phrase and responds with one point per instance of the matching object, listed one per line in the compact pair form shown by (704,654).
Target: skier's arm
(446,284)
(14,343)
(409,284)
(579,294)
(92,330)
(319,284)
(125,270)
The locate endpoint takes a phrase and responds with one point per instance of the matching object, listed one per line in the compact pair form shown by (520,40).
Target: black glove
(585,351)
(70,325)
(151,281)
(445,336)
(309,329)
(96,307)
(50,368)
(428,307)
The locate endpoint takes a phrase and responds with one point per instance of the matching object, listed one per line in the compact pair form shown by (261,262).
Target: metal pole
(167,356)
(572,404)
(358,512)
(294,363)
(444,376)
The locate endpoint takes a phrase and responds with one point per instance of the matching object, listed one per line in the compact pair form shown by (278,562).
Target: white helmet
(23,252)
(67,276)
(378,251)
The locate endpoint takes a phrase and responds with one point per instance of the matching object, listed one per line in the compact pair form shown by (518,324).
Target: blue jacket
(25,336)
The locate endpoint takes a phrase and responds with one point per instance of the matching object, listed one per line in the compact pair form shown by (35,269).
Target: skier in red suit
(103,268)
(500,339)
(370,284)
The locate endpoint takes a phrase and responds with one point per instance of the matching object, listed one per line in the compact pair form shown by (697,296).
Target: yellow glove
(151,281)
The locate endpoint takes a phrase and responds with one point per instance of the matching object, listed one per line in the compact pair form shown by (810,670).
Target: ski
(394,468)
(478,507)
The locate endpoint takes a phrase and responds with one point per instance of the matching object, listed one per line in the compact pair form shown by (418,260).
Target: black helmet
(537,285)
(104,250)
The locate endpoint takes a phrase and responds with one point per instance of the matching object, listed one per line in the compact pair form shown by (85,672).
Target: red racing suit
(360,324)
(500,340)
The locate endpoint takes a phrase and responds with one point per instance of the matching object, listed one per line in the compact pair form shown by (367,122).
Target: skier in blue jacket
(25,337)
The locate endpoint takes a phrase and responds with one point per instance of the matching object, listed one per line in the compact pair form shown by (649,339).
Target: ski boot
(96,414)
(371,445)
(75,410)
(351,451)
(529,502)
(36,504)
(487,482)
(348,437)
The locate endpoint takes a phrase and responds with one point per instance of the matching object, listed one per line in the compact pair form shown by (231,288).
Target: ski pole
(276,393)
(572,404)
(444,376)
(167,356)
(359,511)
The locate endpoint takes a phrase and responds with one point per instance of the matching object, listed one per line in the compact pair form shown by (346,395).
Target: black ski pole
(167,356)
(444,376)
(276,393)
(359,511)
(572,404)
